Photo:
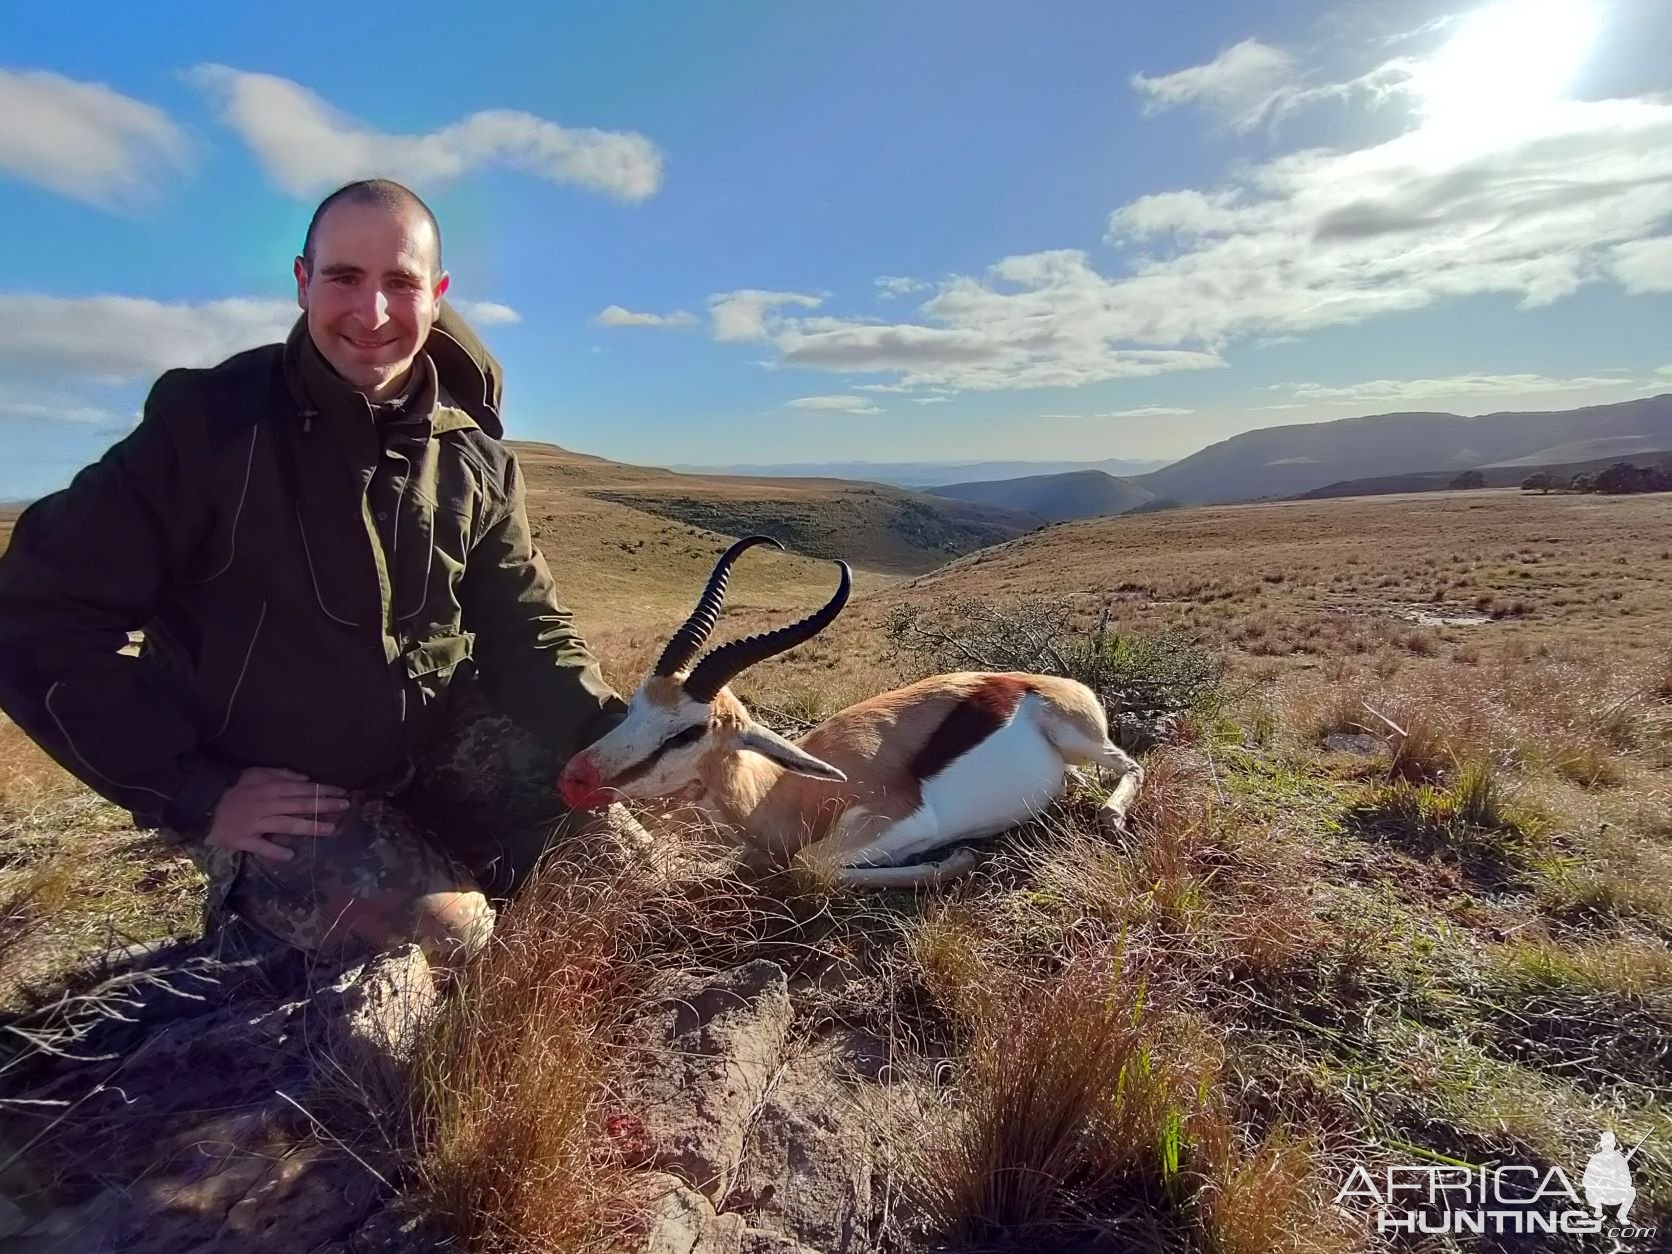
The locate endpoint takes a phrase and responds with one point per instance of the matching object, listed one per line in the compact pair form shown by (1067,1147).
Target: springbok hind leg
(1076,744)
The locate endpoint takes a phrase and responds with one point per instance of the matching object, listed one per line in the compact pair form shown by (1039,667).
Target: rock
(681,1221)
(204,1103)
(806,1172)
(1361,744)
(377,1014)
(306,1200)
(760,1241)
(711,1055)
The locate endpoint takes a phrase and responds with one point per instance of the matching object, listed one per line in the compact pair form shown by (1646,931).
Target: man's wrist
(191,810)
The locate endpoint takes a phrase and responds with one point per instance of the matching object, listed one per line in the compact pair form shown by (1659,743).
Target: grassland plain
(1399,890)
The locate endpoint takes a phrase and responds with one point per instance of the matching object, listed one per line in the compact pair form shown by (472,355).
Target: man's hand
(272,801)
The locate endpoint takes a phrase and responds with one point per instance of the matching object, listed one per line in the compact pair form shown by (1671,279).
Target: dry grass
(1294,961)
(519,1138)
(1064,1111)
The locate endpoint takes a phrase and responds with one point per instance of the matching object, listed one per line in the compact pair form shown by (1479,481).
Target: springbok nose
(580,783)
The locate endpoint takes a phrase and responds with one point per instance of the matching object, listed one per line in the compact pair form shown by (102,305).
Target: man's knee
(376,883)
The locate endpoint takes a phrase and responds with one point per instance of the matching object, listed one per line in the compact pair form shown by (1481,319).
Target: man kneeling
(357,685)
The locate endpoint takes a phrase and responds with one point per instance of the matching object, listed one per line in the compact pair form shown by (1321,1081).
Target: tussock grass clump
(1081,1107)
(1267,1198)
(515,1139)
(1062,1101)
(1493,839)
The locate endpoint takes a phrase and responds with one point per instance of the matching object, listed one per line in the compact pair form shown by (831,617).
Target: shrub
(1158,675)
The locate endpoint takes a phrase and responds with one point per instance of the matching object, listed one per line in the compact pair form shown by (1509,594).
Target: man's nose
(374,310)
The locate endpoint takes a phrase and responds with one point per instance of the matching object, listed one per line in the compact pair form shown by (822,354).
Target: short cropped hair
(384,192)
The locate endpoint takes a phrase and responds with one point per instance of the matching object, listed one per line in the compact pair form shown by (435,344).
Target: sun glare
(1505,60)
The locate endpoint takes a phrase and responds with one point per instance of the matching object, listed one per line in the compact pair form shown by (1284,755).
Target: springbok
(871,789)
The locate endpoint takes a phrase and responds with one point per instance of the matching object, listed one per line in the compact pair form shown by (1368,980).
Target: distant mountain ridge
(927,474)
(1284,461)
(1423,450)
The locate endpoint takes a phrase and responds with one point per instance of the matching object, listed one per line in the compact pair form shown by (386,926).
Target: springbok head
(683,718)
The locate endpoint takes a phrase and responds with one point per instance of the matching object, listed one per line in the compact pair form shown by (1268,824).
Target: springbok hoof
(1112,823)
(958,862)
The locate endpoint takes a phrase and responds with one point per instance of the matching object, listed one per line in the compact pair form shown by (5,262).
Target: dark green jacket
(308,577)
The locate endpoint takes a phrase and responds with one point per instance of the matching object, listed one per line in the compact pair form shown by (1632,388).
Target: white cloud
(307,146)
(1530,203)
(1643,265)
(86,141)
(938,399)
(1382,390)
(56,407)
(1143,411)
(749,315)
(1242,84)
(1253,82)
(112,339)
(616,316)
(890,286)
(838,404)
(487,313)
(1041,320)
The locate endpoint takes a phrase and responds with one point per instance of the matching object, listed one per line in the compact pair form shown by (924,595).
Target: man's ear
(301,271)
(442,284)
(787,755)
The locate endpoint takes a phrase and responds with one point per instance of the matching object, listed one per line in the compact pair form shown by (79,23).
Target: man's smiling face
(371,292)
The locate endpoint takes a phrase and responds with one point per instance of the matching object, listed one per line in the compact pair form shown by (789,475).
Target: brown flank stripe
(982,712)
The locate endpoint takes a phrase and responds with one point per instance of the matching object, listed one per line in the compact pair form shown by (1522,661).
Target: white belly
(1007,779)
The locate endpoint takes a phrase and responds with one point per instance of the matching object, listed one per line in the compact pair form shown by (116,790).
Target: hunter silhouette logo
(1608,1178)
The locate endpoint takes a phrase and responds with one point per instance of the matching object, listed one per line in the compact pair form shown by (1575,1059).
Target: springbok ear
(786,754)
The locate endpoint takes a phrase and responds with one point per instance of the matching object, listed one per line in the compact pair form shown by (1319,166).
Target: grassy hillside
(1055,498)
(1399,890)
(1282,461)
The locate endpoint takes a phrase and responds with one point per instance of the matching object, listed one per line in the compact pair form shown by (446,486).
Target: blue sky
(945,229)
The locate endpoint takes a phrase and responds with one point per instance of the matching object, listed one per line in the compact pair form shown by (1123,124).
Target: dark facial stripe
(987,708)
(680,738)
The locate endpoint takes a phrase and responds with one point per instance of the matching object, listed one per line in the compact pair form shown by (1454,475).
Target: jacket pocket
(438,653)
(432,663)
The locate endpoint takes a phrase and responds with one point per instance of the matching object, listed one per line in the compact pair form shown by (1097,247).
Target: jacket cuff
(192,808)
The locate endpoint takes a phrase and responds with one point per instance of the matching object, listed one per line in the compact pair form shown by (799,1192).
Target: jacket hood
(470,376)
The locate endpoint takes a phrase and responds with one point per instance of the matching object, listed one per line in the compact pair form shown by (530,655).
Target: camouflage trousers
(423,862)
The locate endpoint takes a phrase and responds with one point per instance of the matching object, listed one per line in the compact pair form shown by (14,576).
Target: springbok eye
(689,736)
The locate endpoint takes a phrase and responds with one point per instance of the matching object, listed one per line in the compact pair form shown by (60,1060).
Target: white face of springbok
(683,721)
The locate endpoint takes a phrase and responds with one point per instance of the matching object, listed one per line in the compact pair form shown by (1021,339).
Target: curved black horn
(691,635)
(718,668)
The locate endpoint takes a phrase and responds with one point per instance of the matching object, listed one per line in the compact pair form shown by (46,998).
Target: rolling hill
(1283,461)
(1055,498)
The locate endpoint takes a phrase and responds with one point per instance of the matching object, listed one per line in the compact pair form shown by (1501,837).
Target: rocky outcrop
(186,1103)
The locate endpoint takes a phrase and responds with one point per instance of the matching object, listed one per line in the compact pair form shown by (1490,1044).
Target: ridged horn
(725,663)
(694,632)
